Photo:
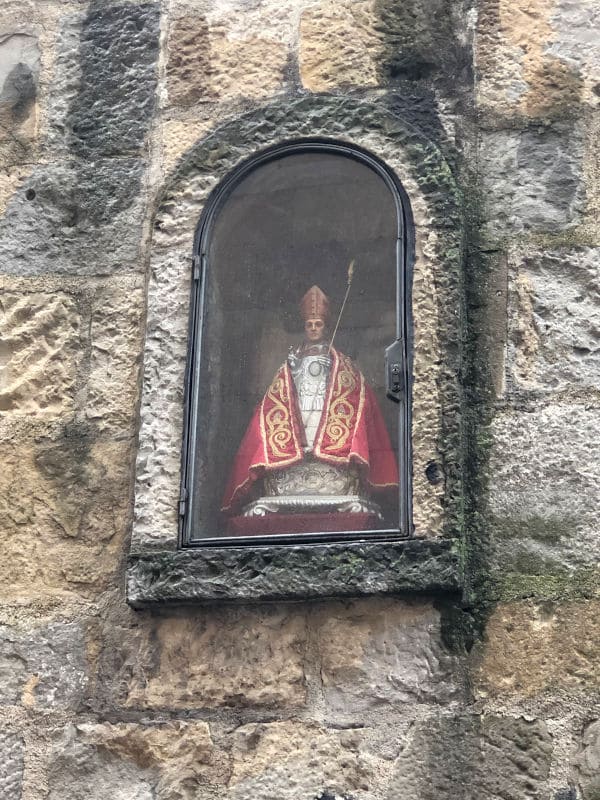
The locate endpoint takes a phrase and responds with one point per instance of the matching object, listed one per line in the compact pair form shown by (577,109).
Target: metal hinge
(183,502)
(197,264)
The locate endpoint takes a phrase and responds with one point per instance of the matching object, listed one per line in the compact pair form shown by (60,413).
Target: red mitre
(315,303)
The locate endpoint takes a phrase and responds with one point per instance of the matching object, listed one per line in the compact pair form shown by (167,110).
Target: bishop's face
(314,329)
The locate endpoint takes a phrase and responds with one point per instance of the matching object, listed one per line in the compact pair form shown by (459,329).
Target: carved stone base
(311,504)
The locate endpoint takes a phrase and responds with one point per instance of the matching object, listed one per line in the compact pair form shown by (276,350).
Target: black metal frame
(404,335)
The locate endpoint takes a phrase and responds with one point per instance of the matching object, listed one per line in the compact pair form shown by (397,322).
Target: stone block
(544,485)
(82,771)
(70,350)
(179,758)
(111,113)
(387,654)
(370,42)
(40,352)
(188,62)
(82,218)
(294,760)
(425,41)
(219,658)
(576,29)
(501,81)
(217,60)
(11,765)
(537,58)
(64,510)
(281,572)
(115,334)
(532,179)
(19,79)
(161,761)
(43,667)
(484,757)
(554,320)
(586,762)
(532,648)
(339,45)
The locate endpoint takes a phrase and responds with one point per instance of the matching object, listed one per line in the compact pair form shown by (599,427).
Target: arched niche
(419,167)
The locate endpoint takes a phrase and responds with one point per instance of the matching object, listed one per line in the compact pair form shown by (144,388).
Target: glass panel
(295,433)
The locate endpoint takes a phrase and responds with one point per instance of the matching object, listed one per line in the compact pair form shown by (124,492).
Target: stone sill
(293,572)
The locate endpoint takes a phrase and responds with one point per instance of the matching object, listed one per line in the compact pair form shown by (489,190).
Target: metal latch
(394,370)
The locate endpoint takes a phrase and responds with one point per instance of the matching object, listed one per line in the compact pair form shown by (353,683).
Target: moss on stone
(582,584)
(527,562)
(572,237)
(549,530)
(479,398)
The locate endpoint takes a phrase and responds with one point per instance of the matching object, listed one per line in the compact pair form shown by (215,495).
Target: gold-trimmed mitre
(315,303)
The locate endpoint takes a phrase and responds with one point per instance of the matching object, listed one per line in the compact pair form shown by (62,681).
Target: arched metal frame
(404,343)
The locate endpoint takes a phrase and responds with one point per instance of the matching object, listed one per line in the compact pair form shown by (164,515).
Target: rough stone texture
(83,219)
(591,173)
(586,763)
(87,216)
(44,667)
(286,759)
(292,760)
(10,180)
(84,772)
(544,488)
(487,757)
(212,61)
(293,573)
(532,179)
(339,45)
(11,765)
(554,322)
(70,350)
(189,60)
(64,504)
(37,27)
(112,112)
(537,58)
(178,136)
(19,76)
(158,761)
(114,336)
(541,647)
(40,347)
(221,658)
(361,44)
(391,658)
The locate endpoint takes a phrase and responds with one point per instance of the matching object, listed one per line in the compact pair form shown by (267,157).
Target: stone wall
(367,699)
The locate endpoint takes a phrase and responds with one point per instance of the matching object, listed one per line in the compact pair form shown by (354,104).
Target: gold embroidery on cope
(279,429)
(339,424)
